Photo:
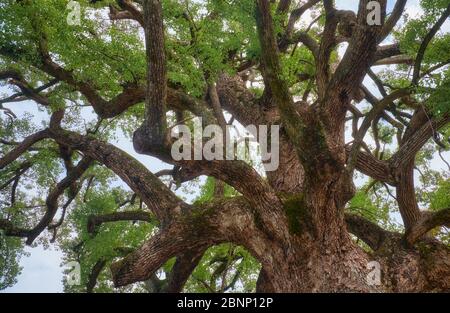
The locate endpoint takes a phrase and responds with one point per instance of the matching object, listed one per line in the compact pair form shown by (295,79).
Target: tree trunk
(321,256)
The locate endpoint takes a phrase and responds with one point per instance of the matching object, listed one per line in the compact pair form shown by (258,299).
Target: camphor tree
(137,68)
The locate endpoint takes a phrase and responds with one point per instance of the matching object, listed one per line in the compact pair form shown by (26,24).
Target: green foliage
(370,208)
(441,197)
(296,212)
(203,39)
(109,242)
(435,88)
(11,250)
(224,268)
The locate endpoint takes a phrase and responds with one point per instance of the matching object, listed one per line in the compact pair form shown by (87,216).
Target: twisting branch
(426,41)
(417,140)
(150,189)
(94,221)
(23,147)
(393,19)
(429,221)
(140,265)
(52,198)
(193,230)
(372,234)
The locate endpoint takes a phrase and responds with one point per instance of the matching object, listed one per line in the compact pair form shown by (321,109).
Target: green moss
(197,217)
(297,213)
(424,249)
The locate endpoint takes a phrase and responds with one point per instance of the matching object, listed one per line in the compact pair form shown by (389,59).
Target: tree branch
(182,270)
(151,137)
(93,275)
(23,147)
(426,41)
(372,234)
(159,199)
(429,221)
(193,230)
(417,140)
(393,19)
(95,221)
(52,198)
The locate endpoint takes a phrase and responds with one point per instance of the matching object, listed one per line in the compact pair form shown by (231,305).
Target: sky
(42,271)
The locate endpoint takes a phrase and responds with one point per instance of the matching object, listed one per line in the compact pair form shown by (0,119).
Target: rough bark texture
(294,223)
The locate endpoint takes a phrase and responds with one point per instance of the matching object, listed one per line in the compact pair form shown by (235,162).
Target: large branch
(246,180)
(182,270)
(270,57)
(417,140)
(406,195)
(369,165)
(52,198)
(326,46)
(372,234)
(358,56)
(95,221)
(150,189)
(201,227)
(235,97)
(429,221)
(152,134)
(26,144)
(140,265)
(271,70)
(418,132)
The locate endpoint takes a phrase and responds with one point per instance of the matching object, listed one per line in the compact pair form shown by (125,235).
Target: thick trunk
(321,256)
(314,269)
(309,266)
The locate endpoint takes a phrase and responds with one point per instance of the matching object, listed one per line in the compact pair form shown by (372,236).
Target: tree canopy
(370,101)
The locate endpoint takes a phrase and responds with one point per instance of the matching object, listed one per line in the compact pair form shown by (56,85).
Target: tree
(146,66)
